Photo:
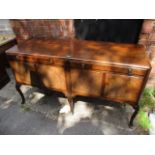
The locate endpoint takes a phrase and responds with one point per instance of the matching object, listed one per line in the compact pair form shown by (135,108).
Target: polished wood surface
(107,70)
(116,72)
(127,87)
(96,52)
(111,53)
(112,71)
(52,77)
(86,82)
(21,71)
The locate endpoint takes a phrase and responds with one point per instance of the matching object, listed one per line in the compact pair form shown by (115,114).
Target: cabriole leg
(71,103)
(136,107)
(20,92)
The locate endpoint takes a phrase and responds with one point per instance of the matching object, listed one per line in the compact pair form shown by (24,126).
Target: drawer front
(52,77)
(109,68)
(122,88)
(31,59)
(39,60)
(86,82)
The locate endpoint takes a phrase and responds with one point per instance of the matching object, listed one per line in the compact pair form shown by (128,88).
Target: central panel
(52,77)
(86,82)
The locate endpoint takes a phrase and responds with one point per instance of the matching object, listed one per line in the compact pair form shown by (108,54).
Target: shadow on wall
(112,30)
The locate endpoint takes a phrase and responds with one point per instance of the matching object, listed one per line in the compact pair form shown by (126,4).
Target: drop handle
(130,72)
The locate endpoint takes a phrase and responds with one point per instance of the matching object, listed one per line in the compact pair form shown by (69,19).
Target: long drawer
(122,69)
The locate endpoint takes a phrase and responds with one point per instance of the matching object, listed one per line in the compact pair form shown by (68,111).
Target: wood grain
(116,72)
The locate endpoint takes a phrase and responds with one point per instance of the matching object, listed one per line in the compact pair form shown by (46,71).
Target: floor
(46,114)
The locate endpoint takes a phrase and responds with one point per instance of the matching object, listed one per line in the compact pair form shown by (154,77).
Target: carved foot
(20,93)
(133,116)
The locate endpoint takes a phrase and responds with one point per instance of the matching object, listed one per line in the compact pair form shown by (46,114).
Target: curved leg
(71,103)
(133,115)
(20,92)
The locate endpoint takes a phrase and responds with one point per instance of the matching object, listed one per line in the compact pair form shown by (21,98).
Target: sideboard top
(80,50)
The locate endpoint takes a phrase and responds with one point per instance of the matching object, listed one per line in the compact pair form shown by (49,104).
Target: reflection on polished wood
(116,72)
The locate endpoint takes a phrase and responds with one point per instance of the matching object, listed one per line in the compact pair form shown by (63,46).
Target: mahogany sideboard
(115,72)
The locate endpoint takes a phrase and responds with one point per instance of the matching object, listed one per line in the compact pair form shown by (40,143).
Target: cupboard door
(122,87)
(52,76)
(86,82)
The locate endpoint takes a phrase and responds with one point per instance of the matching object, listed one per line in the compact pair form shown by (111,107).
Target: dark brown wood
(68,93)
(4,78)
(116,72)
(86,82)
(136,108)
(20,92)
(122,87)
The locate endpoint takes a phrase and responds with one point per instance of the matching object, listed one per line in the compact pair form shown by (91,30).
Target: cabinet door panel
(122,88)
(52,76)
(86,82)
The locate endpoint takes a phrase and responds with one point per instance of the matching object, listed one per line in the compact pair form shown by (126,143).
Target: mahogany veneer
(116,72)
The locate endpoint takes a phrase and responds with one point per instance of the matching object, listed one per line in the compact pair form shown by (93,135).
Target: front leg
(20,92)
(136,107)
(71,103)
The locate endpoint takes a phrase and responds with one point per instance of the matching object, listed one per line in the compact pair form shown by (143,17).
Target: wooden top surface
(80,50)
